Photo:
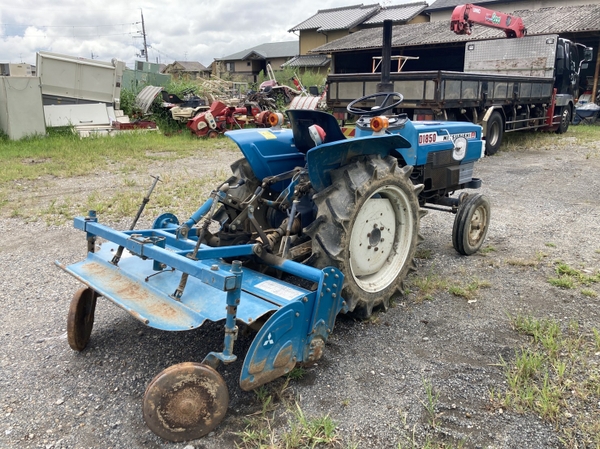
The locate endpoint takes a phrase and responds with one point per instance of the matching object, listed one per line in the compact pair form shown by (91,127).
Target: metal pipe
(596,73)
(117,257)
(386,52)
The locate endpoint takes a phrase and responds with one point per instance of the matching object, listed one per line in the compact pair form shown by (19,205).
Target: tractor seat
(301,119)
(171,98)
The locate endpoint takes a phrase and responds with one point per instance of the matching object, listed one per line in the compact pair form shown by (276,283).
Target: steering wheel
(378,110)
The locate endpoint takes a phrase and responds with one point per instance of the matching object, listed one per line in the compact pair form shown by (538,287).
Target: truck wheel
(471,224)
(367,226)
(493,135)
(565,120)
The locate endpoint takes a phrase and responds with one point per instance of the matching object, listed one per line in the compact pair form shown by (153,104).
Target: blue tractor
(310,224)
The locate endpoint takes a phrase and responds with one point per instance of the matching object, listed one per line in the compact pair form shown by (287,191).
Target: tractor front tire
(367,225)
(471,224)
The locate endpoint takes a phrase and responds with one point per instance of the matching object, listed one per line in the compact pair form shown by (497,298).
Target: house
(442,9)
(247,64)
(438,48)
(187,70)
(328,25)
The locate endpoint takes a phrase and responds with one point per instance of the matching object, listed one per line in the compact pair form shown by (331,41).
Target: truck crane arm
(464,16)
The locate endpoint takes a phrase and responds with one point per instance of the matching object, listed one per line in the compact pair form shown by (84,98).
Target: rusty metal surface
(185,402)
(150,301)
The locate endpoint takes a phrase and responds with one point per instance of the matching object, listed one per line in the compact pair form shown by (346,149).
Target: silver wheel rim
(477,225)
(381,238)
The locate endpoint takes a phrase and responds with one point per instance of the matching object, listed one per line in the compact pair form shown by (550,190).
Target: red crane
(464,16)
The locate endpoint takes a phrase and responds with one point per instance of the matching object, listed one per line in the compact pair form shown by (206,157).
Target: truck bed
(440,89)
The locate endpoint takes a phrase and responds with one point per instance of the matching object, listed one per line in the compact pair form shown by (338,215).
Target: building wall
(310,39)
(419,19)
(515,6)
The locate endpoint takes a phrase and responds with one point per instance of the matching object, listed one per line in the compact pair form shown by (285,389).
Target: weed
(423,253)
(550,245)
(428,285)
(555,377)
(297,373)
(487,249)
(531,262)
(468,291)
(430,403)
(589,293)
(309,432)
(562,282)
(596,338)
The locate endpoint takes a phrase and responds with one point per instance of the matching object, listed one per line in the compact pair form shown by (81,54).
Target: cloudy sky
(193,30)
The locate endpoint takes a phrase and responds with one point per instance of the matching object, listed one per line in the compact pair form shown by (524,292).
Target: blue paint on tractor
(219,264)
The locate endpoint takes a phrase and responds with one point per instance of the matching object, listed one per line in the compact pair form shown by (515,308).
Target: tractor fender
(323,159)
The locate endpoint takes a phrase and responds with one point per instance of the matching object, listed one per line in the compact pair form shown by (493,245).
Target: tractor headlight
(460,149)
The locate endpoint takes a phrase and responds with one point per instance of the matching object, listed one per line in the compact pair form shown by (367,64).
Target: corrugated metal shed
(573,19)
(338,18)
(397,13)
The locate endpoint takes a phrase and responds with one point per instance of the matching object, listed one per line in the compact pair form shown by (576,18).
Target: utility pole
(144,35)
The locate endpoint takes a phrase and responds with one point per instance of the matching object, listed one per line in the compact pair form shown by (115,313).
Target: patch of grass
(589,293)
(487,249)
(550,244)
(562,282)
(469,290)
(66,155)
(531,262)
(308,432)
(427,285)
(556,376)
(422,253)
(297,373)
(570,278)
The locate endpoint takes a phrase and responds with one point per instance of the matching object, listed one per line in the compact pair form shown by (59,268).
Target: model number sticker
(282,291)
(433,137)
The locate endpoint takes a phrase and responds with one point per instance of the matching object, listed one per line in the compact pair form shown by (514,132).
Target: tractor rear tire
(367,226)
(471,224)
(494,132)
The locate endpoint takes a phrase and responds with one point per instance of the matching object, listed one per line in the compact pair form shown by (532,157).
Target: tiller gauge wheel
(185,402)
(81,318)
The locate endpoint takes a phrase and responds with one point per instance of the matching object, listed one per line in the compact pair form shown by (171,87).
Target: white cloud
(175,29)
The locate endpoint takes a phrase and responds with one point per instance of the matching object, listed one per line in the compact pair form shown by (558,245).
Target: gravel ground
(371,377)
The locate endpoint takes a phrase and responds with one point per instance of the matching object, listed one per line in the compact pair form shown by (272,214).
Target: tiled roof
(448,4)
(285,49)
(338,18)
(307,61)
(556,20)
(397,13)
(191,66)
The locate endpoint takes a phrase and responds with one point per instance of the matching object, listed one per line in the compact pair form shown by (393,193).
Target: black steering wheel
(378,110)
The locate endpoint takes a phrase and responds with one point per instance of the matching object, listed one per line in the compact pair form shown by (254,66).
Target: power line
(66,26)
(69,35)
